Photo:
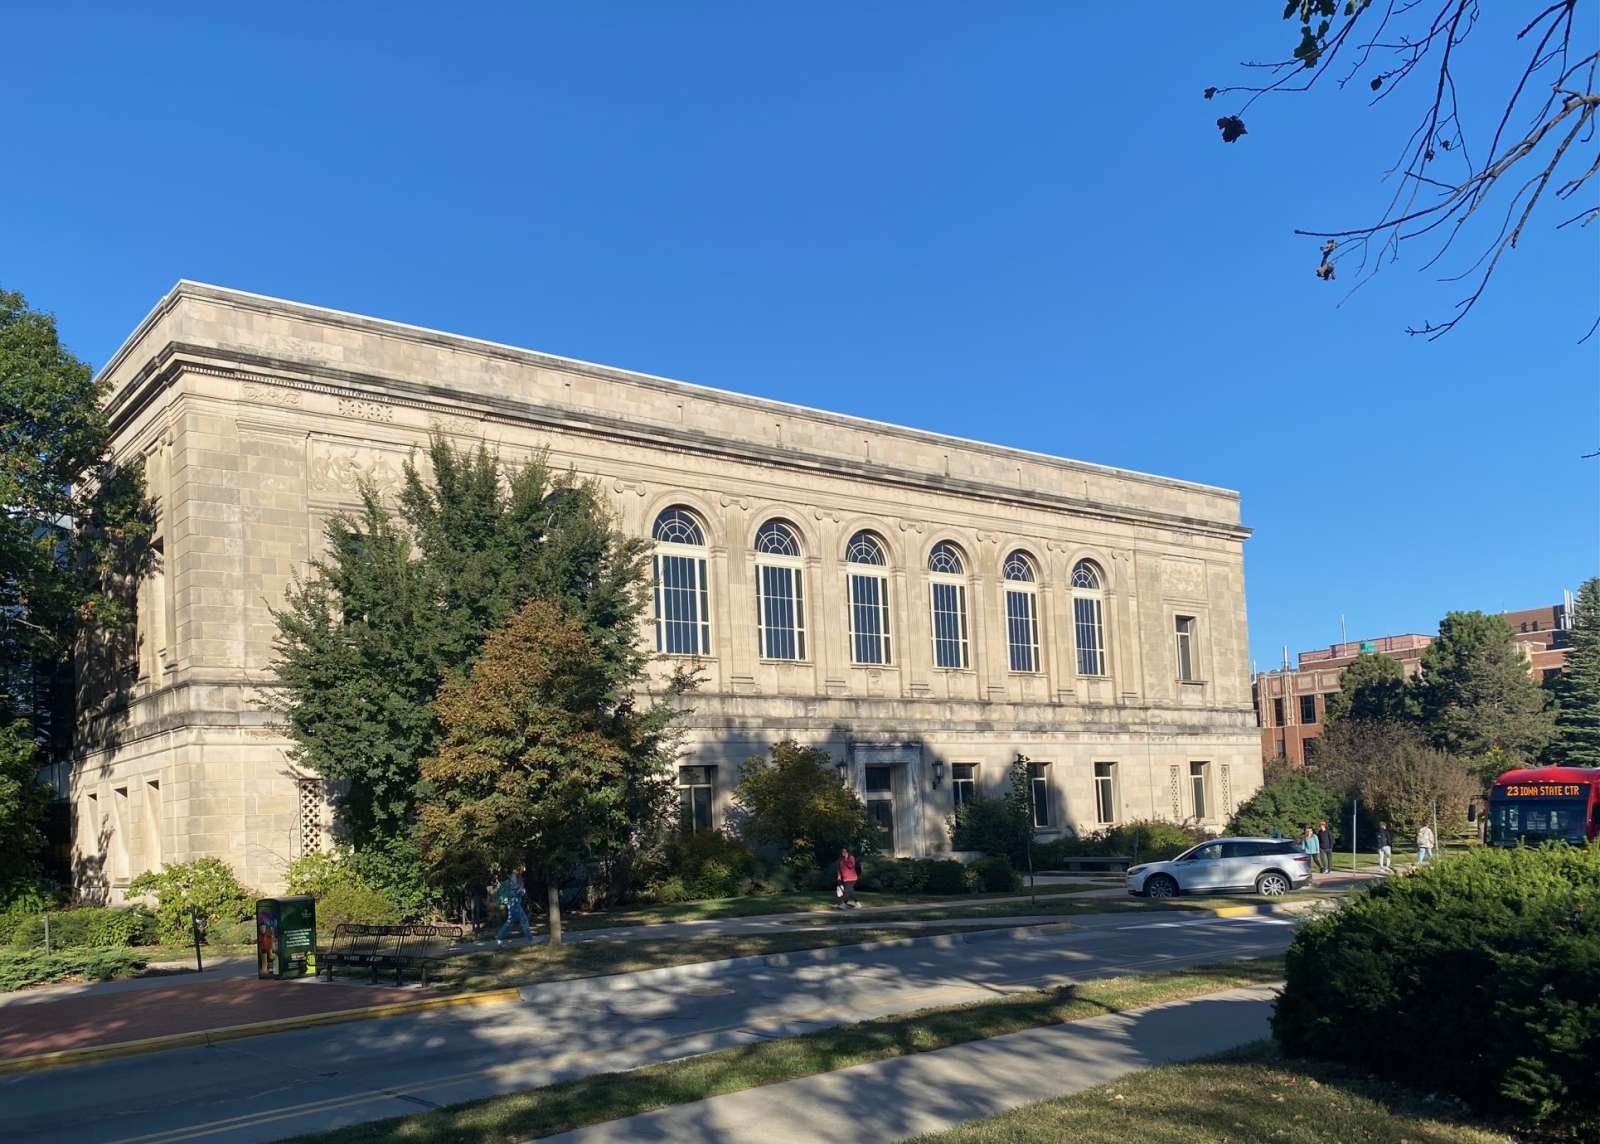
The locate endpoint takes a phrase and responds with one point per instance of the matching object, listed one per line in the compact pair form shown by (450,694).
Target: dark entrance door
(880,813)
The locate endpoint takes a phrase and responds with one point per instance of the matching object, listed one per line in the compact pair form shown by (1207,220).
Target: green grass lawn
(759,905)
(527,965)
(591,1100)
(1251,1095)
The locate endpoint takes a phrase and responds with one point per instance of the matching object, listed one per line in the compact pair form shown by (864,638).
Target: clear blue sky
(1014,223)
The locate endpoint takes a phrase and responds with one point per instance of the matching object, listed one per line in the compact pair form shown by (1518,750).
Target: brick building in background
(1292,703)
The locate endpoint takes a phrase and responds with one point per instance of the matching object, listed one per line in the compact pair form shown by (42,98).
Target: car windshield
(1538,820)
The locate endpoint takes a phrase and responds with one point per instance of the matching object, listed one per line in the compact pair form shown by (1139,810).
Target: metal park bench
(386,948)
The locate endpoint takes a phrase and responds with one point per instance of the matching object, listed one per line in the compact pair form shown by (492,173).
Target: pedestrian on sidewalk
(1385,845)
(1325,847)
(1308,843)
(1424,844)
(512,893)
(849,873)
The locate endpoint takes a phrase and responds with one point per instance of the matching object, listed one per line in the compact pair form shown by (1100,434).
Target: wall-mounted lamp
(841,770)
(938,773)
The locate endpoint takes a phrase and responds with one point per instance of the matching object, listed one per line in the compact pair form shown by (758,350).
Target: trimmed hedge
(86,926)
(1478,976)
(1148,841)
(914,876)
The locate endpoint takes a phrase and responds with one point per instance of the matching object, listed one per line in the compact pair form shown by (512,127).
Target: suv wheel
(1160,886)
(1272,884)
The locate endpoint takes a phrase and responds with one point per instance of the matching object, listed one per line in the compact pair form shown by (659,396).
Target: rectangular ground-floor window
(696,796)
(1039,793)
(1105,793)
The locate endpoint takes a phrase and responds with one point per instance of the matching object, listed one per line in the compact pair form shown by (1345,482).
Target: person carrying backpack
(512,893)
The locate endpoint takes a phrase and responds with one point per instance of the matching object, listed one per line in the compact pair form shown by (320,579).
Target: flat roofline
(206,291)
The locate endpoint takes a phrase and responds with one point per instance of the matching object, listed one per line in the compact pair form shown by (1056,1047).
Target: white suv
(1269,866)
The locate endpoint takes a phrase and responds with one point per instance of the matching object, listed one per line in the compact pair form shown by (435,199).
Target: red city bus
(1545,804)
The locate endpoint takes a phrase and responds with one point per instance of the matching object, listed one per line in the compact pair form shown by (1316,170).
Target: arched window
(682,594)
(1087,622)
(780,593)
(867,579)
(947,599)
(1022,613)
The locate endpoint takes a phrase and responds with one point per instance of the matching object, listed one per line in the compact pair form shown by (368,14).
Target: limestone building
(923,607)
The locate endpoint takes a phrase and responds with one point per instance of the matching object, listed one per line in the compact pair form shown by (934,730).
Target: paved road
(265,1088)
(929,1092)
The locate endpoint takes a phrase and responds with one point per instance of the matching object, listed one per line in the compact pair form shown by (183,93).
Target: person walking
(512,893)
(1424,844)
(1308,843)
(1325,847)
(1385,848)
(849,873)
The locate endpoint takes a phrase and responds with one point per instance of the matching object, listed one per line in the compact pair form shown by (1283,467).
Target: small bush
(233,934)
(97,926)
(1147,840)
(710,864)
(996,875)
(946,876)
(206,885)
(342,891)
(1476,976)
(20,968)
(1285,804)
(667,891)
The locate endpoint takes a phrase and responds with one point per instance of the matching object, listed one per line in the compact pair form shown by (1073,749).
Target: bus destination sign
(1545,790)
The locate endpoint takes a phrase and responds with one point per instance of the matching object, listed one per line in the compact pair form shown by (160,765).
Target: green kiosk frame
(286,937)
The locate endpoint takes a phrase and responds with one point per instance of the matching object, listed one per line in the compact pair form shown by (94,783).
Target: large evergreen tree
(1477,699)
(74,541)
(548,758)
(402,603)
(1577,738)
(1373,688)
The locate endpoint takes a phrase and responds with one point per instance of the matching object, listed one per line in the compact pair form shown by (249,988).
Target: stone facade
(257,417)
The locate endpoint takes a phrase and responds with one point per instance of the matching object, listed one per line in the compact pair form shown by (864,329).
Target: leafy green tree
(1395,772)
(1284,805)
(1374,688)
(546,757)
(794,799)
(1476,698)
(1577,738)
(74,540)
(402,604)
(24,801)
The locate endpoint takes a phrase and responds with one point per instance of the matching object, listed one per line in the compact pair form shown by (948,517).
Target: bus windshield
(1538,820)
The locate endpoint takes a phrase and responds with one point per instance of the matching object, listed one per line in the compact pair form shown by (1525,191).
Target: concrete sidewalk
(927,1092)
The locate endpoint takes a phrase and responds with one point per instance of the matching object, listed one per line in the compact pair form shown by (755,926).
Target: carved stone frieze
(365,409)
(271,394)
(342,469)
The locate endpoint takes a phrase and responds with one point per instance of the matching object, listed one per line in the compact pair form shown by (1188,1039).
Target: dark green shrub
(666,891)
(1290,801)
(793,799)
(995,875)
(205,885)
(234,934)
(20,968)
(1478,976)
(711,864)
(945,876)
(354,902)
(999,826)
(1152,840)
(889,876)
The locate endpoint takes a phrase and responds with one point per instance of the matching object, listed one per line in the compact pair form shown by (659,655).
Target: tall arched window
(866,575)
(1022,613)
(1088,626)
(947,598)
(682,595)
(780,593)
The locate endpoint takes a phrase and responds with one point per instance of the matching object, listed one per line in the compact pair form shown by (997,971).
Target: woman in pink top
(849,872)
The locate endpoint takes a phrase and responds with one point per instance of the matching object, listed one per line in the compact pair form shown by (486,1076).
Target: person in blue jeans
(513,894)
(1308,844)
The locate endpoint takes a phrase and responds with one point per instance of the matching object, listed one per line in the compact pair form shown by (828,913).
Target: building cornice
(244,301)
(163,370)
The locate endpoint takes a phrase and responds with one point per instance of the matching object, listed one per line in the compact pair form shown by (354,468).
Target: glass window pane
(869,619)
(1022,630)
(949,625)
(1086,617)
(682,626)
(778,612)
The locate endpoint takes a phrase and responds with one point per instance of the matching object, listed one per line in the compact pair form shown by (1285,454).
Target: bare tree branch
(1440,190)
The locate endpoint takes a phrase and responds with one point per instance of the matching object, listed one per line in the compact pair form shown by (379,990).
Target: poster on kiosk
(286,935)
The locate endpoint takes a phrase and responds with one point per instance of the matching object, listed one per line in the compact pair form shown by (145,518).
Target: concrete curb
(65,1057)
(584,987)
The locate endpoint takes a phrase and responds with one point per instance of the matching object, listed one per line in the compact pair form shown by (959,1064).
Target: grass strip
(1246,1095)
(762,905)
(531,965)
(610,1096)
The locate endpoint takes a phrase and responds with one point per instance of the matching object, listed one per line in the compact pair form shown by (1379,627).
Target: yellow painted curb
(1234,911)
(64,1057)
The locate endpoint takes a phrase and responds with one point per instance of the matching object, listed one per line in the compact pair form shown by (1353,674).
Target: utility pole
(1355,805)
